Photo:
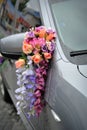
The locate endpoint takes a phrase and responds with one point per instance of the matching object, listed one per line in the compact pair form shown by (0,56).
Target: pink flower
(36,44)
(37,93)
(42,41)
(38,109)
(38,101)
(40,87)
(40,81)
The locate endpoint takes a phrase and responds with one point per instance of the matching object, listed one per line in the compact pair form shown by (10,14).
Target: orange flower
(25,42)
(36,58)
(20,63)
(47,55)
(50,36)
(41,32)
(27,48)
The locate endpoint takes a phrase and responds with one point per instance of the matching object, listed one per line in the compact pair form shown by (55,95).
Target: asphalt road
(9,120)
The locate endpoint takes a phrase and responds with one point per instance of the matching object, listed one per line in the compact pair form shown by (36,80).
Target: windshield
(71,21)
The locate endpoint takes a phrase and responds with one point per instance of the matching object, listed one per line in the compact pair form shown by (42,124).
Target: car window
(71,19)
(71,23)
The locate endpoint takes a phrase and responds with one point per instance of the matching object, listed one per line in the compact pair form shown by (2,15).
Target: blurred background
(18,16)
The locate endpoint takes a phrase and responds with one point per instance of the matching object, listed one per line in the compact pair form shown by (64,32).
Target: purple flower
(44,72)
(20,70)
(30,106)
(40,72)
(29,86)
(50,31)
(31,78)
(18,90)
(30,34)
(19,97)
(33,99)
(51,47)
(1,59)
(39,28)
(28,72)
(29,94)
(44,48)
(44,64)
(19,82)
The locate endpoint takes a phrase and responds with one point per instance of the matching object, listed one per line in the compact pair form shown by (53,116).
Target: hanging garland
(31,69)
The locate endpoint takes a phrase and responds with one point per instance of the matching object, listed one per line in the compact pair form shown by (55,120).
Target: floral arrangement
(31,69)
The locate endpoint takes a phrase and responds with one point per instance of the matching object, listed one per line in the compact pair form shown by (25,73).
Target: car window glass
(71,21)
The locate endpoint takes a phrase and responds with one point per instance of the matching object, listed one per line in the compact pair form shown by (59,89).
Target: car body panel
(67,97)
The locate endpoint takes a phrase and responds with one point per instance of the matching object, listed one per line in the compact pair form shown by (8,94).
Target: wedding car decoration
(31,69)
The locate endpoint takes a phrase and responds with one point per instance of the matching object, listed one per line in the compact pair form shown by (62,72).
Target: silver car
(66,86)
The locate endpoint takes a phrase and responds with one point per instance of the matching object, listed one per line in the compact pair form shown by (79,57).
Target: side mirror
(11,46)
